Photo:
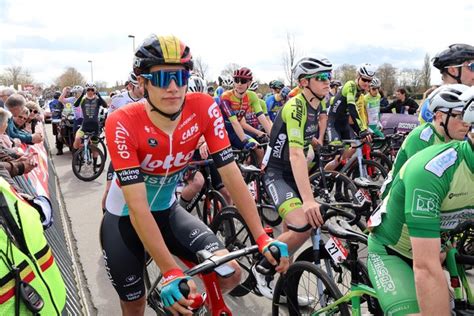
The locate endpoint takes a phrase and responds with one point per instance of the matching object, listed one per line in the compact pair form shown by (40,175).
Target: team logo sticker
(152,142)
(425,204)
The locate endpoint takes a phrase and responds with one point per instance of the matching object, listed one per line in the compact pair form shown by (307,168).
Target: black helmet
(456,54)
(161,50)
(56,95)
(276,84)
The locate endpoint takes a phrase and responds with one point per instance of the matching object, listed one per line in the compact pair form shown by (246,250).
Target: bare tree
(345,72)
(388,76)
(201,67)
(16,75)
(229,69)
(289,58)
(426,73)
(411,79)
(70,77)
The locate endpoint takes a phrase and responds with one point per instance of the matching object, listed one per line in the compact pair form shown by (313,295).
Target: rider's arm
(226,109)
(430,281)
(249,128)
(257,109)
(323,122)
(355,113)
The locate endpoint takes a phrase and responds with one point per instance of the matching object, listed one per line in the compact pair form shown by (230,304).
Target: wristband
(263,241)
(21,169)
(172,275)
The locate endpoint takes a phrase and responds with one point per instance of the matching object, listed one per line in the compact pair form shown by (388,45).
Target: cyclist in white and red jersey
(150,145)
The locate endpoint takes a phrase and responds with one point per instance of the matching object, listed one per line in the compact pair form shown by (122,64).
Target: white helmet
(375,83)
(366,70)
(228,83)
(253,86)
(76,89)
(132,78)
(308,66)
(468,98)
(447,97)
(90,85)
(197,84)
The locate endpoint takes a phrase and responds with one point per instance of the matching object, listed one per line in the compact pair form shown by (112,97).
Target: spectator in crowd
(20,119)
(15,105)
(383,99)
(35,116)
(56,108)
(4,94)
(5,141)
(402,104)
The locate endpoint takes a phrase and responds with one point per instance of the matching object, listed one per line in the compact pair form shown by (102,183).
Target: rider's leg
(77,139)
(132,308)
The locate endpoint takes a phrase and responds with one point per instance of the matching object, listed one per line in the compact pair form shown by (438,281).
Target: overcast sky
(47,36)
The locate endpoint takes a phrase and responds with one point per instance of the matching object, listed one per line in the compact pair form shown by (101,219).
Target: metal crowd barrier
(58,240)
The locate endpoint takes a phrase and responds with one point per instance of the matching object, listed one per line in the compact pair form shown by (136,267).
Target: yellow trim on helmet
(171,48)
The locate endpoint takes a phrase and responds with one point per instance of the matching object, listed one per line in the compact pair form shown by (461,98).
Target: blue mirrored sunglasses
(162,78)
(321,76)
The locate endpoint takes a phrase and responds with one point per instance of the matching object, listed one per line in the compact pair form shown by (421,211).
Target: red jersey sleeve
(122,146)
(215,134)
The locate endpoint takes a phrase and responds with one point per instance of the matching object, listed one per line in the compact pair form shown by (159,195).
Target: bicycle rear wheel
(305,289)
(88,166)
(152,276)
(335,187)
(231,229)
(212,204)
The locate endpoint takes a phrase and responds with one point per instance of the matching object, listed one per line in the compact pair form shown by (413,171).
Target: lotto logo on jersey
(219,127)
(169,161)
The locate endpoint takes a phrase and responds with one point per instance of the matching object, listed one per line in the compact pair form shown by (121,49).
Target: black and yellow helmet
(161,50)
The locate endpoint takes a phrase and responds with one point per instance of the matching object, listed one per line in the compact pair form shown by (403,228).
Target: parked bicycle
(88,162)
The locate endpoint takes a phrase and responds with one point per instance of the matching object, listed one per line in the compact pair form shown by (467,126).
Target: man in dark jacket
(403,103)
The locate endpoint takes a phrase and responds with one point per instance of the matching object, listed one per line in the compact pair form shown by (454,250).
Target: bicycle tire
(152,276)
(353,171)
(382,159)
(231,229)
(77,163)
(335,180)
(212,204)
(103,147)
(288,285)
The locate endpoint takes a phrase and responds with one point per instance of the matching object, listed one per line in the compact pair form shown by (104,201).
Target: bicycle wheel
(304,282)
(231,229)
(336,187)
(382,159)
(103,147)
(378,173)
(212,204)
(152,276)
(87,166)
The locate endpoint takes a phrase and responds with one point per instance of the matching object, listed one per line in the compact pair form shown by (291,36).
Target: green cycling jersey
(433,192)
(420,138)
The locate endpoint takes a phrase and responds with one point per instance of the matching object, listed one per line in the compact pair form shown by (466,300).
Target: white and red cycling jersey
(142,152)
(120,100)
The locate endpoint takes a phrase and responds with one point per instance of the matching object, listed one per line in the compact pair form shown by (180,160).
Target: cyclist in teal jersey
(432,193)
(447,125)
(286,174)
(372,105)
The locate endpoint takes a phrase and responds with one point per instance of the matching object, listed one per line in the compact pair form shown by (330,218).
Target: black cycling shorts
(124,253)
(282,189)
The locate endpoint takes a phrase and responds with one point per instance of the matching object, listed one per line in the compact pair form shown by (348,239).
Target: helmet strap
(314,95)
(171,117)
(458,77)
(445,124)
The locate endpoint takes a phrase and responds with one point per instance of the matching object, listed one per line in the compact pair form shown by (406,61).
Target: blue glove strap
(282,247)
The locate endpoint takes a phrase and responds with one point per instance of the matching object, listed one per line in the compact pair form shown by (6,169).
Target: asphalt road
(82,203)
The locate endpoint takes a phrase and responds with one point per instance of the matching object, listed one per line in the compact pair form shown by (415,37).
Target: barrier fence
(42,181)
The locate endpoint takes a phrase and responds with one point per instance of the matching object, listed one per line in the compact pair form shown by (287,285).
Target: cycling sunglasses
(470,66)
(321,76)
(241,80)
(162,78)
(365,80)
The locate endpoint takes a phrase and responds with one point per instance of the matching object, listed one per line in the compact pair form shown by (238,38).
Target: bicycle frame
(354,295)
(458,278)
(358,156)
(214,299)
